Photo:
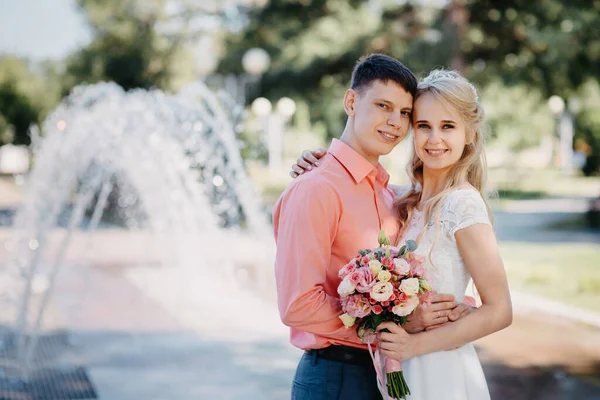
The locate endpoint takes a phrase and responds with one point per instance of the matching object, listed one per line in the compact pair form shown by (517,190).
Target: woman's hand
(396,344)
(307,160)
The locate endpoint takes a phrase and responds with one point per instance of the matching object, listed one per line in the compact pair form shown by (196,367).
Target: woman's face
(440,133)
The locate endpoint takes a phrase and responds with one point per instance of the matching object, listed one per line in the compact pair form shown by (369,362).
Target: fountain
(171,164)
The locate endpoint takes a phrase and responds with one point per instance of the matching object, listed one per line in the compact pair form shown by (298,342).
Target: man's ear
(350,101)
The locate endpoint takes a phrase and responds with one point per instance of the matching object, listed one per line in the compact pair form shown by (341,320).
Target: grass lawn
(568,273)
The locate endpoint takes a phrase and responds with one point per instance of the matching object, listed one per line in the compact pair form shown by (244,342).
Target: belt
(343,354)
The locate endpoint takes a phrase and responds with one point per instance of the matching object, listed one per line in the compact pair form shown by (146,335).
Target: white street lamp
(256,61)
(556,104)
(261,107)
(286,107)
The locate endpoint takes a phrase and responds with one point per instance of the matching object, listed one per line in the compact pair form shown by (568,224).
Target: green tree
(134,45)
(25,96)
(551,44)
(312,57)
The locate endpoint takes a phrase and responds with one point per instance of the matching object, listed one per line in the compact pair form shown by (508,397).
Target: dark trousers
(318,378)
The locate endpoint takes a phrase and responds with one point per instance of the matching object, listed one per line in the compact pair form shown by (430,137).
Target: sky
(41,29)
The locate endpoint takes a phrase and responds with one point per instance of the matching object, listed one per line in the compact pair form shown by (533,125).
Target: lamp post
(557,106)
(256,62)
(239,87)
(274,124)
(564,114)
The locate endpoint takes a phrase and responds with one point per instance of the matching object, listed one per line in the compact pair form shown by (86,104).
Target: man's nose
(395,119)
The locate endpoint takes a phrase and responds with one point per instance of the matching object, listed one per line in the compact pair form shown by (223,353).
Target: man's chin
(387,149)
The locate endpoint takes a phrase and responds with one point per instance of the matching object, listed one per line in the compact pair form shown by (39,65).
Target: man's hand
(433,315)
(307,160)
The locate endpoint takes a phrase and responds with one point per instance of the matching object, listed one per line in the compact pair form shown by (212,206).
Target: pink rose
(355,278)
(388,263)
(367,281)
(347,269)
(356,306)
(365,261)
(377,309)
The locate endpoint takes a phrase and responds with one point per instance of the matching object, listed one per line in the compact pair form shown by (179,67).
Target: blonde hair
(458,94)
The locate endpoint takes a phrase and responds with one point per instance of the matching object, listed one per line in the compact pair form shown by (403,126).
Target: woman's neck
(434,182)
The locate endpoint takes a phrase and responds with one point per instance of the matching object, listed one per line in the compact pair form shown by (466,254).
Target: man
(324,217)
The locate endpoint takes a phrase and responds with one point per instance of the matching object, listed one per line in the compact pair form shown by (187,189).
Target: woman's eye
(448,126)
(422,126)
(406,113)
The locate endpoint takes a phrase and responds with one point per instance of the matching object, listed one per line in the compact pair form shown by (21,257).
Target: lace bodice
(448,274)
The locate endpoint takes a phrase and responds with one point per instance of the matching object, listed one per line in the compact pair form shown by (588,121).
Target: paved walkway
(138,340)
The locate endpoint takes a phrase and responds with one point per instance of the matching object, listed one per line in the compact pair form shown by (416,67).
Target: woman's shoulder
(463,207)
(465,193)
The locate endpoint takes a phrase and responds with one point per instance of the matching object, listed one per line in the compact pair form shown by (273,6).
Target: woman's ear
(349,102)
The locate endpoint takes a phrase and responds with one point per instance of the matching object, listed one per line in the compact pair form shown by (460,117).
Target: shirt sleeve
(305,220)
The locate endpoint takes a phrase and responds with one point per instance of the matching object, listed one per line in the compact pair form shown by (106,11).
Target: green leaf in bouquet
(411,245)
(377,319)
(402,251)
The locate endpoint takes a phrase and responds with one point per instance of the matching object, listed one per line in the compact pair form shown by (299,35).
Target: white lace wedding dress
(454,374)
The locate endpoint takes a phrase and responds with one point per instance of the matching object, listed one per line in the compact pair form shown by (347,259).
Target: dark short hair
(381,67)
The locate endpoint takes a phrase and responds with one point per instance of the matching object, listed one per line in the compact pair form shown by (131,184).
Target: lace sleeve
(464,208)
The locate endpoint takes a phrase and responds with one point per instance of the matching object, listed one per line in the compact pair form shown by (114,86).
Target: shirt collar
(358,167)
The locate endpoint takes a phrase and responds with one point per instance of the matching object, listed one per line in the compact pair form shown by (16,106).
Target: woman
(445,211)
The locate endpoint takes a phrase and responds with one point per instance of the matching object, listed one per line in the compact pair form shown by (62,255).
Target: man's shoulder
(330,174)
(321,185)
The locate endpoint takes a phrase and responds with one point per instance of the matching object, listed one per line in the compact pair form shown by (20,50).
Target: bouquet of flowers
(383,284)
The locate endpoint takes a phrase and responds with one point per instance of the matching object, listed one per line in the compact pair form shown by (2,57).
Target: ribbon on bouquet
(376,357)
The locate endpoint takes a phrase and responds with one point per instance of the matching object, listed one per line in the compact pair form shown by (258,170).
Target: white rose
(384,276)
(347,320)
(405,308)
(382,291)
(375,267)
(345,287)
(410,286)
(401,266)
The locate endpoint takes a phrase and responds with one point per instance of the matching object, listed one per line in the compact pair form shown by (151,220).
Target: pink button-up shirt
(321,221)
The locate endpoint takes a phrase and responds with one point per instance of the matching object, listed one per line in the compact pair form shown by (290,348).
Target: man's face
(380,115)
